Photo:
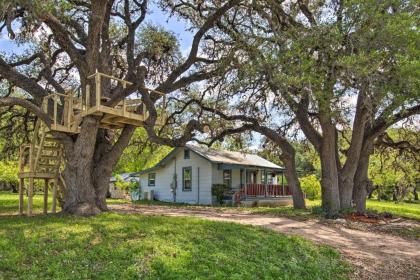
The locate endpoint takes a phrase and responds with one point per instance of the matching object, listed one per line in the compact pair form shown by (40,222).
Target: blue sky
(154,16)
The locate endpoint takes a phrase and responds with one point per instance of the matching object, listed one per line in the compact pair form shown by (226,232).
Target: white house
(197,169)
(114,191)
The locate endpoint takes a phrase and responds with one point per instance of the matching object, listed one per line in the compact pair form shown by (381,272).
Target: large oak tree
(339,66)
(66,41)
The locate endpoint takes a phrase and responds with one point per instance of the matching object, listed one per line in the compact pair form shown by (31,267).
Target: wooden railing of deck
(261,190)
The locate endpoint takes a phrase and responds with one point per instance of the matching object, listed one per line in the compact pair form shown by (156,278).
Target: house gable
(201,178)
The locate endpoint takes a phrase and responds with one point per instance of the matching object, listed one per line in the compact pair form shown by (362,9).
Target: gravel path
(373,255)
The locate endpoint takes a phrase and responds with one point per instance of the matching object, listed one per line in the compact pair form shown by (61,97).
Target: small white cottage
(114,191)
(186,175)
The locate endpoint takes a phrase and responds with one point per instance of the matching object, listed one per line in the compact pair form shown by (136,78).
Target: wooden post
(30,195)
(21,185)
(124,105)
(144,111)
(282,182)
(98,90)
(55,110)
(87,97)
(70,111)
(45,196)
(246,184)
(54,195)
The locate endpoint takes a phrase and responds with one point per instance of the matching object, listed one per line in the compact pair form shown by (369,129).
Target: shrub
(311,187)
(128,185)
(9,173)
(219,190)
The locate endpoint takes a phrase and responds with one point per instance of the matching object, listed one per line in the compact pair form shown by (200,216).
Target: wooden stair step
(51,139)
(51,148)
(49,157)
(46,165)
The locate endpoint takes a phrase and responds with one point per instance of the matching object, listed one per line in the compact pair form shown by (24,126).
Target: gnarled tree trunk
(288,157)
(361,180)
(329,173)
(293,180)
(89,162)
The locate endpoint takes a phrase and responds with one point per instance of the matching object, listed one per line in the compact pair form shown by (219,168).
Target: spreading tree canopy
(66,41)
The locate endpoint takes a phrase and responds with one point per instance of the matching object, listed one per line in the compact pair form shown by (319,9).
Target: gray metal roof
(229,157)
(124,176)
(219,156)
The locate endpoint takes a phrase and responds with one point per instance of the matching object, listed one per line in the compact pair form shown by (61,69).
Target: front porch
(255,185)
(261,193)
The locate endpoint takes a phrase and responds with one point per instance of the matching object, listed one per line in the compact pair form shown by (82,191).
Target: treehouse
(42,158)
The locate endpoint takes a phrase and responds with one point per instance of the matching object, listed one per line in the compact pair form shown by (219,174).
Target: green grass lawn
(401,209)
(117,246)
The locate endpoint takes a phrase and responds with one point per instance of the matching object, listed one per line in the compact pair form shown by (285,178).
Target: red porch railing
(268,190)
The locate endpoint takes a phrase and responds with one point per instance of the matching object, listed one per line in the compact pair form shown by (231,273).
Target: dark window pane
(187,178)
(152,179)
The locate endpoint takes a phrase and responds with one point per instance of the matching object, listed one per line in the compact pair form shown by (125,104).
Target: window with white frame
(152,179)
(186,178)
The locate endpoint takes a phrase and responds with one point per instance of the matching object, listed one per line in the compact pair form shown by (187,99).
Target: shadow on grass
(131,246)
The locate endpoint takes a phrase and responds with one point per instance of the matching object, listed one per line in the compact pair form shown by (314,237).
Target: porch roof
(230,158)
(224,166)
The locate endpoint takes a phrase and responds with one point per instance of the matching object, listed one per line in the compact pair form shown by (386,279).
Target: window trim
(230,177)
(148,180)
(183,178)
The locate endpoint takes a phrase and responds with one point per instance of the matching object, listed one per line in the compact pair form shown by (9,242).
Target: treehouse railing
(61,109)
(68,109)
(131,108)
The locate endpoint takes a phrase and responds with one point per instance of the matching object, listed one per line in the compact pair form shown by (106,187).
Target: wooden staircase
(42,158)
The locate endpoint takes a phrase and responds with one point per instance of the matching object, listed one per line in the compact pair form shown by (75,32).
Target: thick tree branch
(22,81)
(192,57)
(12,101)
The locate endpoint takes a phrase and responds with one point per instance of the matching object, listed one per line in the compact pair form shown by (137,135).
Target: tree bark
(89,164)
(348,171)
(361,179)
(288,157)
(329,172)
(80,192)
(293,180)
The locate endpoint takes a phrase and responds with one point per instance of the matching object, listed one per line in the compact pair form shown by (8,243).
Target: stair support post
(21,197)
(45,196)
(30,195)
(54,196)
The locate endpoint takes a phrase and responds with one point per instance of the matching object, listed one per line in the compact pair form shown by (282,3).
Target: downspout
(176,185)
(198,185)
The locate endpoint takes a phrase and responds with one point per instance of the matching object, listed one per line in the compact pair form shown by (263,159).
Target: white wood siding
(164,178)
(218,176)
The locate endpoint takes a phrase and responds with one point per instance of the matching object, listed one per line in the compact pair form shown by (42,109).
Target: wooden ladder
(40,159)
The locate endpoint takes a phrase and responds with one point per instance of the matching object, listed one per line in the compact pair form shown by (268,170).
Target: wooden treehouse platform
(42,158)
(67,110)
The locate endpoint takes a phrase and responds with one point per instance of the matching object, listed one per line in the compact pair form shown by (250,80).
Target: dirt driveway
(373,255)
